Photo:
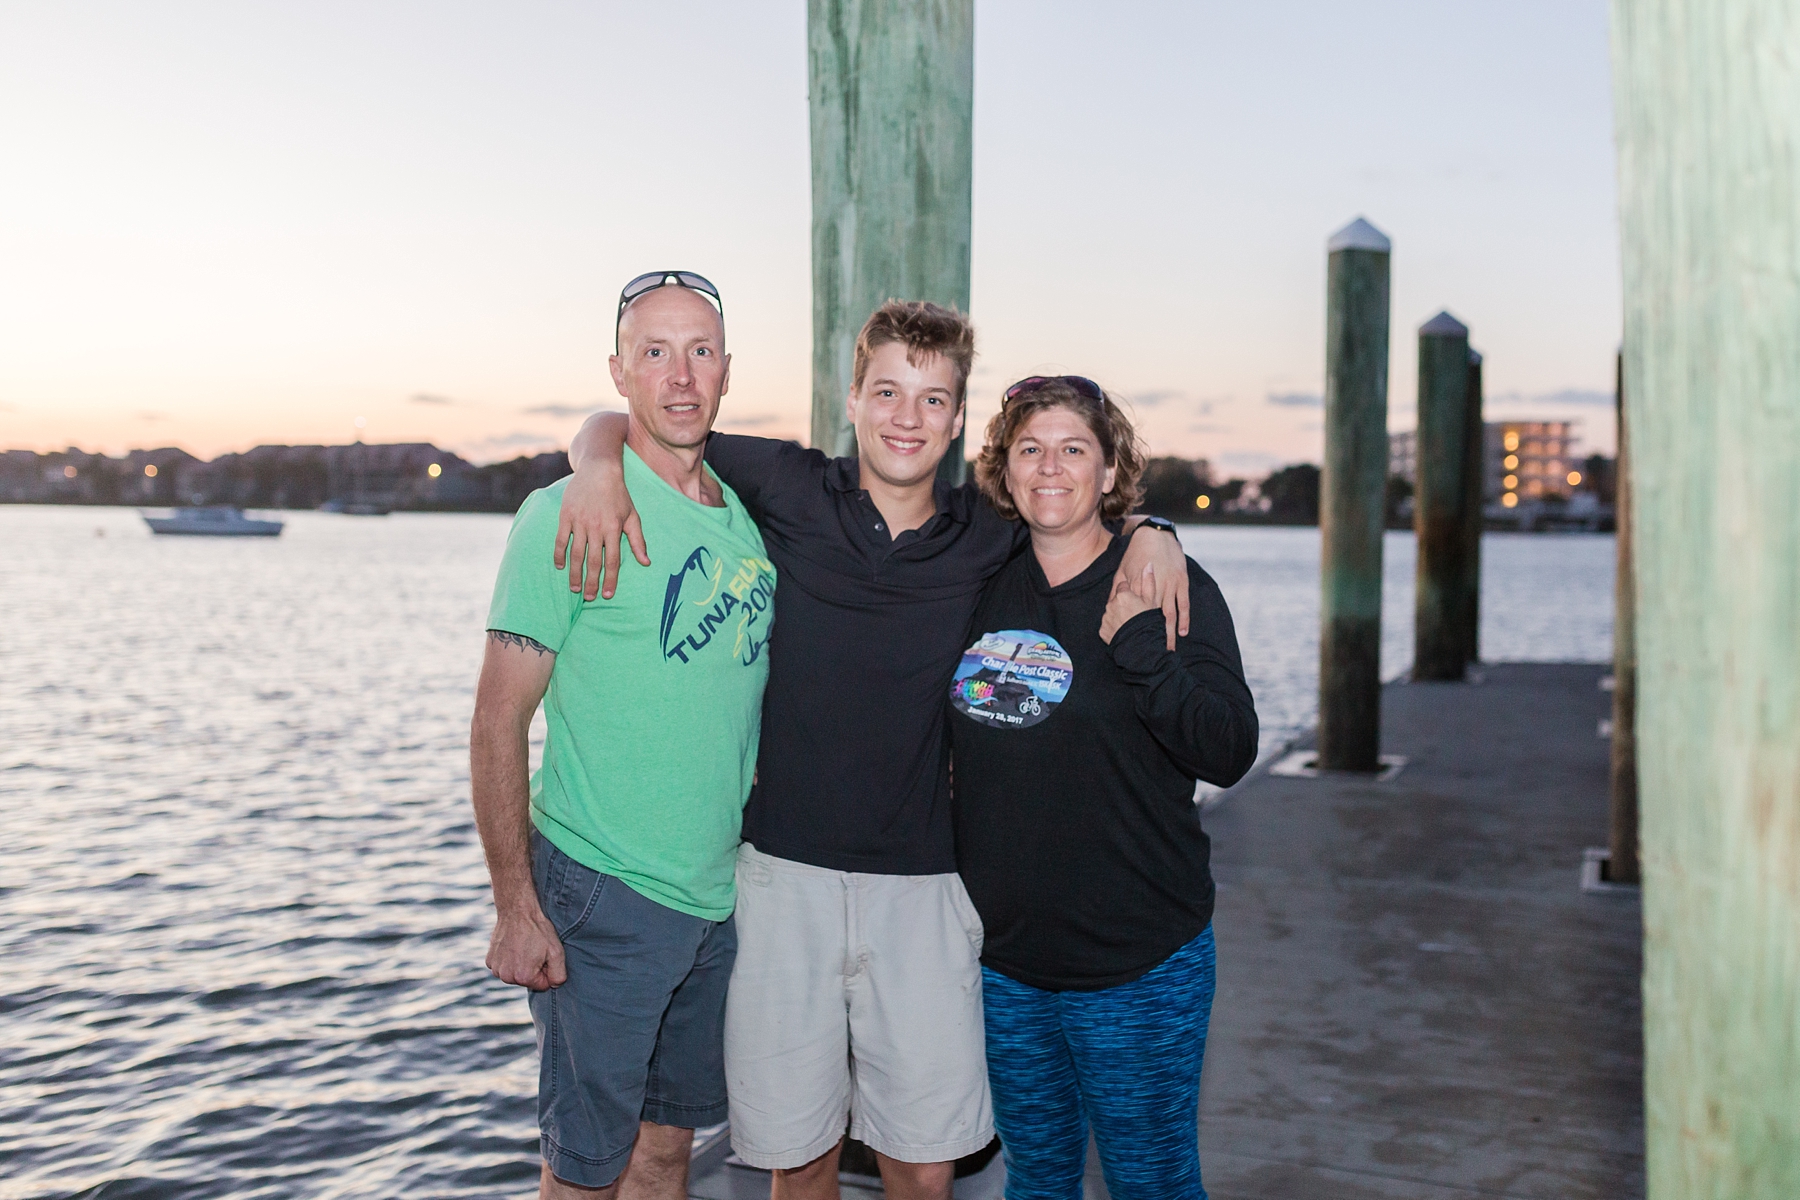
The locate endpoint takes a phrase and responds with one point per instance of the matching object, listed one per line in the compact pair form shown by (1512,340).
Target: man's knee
(664,1146)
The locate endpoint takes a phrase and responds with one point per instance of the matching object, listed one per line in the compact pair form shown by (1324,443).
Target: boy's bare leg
(817,1180)
(915,1181)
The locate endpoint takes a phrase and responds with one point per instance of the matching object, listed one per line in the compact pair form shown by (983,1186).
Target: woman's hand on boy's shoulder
(1131,596)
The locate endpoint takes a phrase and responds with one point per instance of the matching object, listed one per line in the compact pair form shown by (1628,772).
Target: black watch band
(1162,523)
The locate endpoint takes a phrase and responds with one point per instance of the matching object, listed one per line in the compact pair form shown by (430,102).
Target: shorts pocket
(753,872)
(567,891)
(967,914)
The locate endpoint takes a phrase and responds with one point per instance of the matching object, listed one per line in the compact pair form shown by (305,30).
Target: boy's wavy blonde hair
(925,328)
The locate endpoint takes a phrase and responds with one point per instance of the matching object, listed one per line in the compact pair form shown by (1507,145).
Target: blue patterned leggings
(1125,1059)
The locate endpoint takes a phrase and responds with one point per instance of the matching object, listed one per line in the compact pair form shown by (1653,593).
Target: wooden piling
(892,94)
(1474,495)
(1440,641)
(1353,496)
(1707,104)
(1622,865)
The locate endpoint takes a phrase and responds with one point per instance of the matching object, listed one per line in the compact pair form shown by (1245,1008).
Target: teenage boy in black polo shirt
(857,986)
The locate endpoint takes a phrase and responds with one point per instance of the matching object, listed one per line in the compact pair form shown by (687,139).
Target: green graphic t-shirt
(655,701)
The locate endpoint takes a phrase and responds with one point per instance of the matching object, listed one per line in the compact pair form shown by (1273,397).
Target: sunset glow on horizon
(230,225)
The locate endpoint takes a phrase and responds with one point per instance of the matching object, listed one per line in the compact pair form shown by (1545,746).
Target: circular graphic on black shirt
(1011,679)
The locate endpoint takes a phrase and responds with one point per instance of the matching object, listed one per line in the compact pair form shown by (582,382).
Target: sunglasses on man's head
(650,281)
(1082,385)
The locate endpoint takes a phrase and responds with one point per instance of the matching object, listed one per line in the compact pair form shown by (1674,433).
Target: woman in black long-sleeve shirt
(1078,737)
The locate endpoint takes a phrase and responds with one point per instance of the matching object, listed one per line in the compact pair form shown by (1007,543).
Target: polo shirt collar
(845,475)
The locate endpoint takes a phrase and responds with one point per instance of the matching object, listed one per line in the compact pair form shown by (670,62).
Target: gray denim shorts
(637,1031)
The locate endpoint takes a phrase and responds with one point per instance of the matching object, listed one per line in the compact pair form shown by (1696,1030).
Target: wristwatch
(1162,523)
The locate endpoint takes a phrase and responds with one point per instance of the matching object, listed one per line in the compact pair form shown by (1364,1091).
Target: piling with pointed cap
(1707,97)
(891,95)
(1353,495)
(1440,641)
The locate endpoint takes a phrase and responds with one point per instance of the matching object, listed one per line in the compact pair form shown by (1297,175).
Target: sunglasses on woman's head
(1082,385)
(650,281)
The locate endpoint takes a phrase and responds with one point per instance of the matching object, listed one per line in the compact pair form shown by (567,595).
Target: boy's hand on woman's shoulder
(596,519)
(1152,547)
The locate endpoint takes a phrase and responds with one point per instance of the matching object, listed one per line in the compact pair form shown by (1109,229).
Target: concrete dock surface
(1416,998)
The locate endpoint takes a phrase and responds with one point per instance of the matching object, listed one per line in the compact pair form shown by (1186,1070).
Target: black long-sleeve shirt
(1076,829)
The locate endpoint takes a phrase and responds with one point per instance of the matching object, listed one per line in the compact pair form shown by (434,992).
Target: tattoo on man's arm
(519,640)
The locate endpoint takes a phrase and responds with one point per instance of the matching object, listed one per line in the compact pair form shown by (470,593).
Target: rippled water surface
(242,905)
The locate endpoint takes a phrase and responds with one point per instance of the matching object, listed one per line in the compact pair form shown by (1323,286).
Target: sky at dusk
(225,224)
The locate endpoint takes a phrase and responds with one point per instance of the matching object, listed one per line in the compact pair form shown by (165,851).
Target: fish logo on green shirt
(707,596)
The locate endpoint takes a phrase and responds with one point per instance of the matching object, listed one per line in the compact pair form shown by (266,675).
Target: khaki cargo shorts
(855,998)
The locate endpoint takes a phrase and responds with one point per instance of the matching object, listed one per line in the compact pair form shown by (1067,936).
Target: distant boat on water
(215,521)
(355,508)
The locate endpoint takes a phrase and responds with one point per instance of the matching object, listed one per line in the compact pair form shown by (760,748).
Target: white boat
(215,521)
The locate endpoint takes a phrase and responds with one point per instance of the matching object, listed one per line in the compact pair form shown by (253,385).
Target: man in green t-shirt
(613,866)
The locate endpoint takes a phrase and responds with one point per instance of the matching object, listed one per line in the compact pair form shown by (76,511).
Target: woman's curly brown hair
(1119,444)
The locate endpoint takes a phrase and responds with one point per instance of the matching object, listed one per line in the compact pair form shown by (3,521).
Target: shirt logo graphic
(707,593)
(1012,679)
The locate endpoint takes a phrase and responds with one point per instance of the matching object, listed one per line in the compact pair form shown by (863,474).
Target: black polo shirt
(853,771)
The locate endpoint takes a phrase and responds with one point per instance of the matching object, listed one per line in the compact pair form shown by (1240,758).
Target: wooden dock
(1416,998)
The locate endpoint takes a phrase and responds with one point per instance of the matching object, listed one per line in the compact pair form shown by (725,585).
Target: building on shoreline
(1531,477)
(364,477)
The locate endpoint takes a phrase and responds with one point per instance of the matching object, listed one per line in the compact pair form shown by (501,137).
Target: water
(242,905)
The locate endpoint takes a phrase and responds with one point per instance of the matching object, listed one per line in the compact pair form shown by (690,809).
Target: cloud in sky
(1157,397)
(1153,398)
(153,416)
(1565,396)
(560,411)
(521,437)
(1297,399)
(1248,461)
(507,445)
(428,398)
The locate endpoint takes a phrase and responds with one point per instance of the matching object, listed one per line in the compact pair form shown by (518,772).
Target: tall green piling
(1622,863)
(1707,97)
(1353,495)
(1440,641)
(892,89)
